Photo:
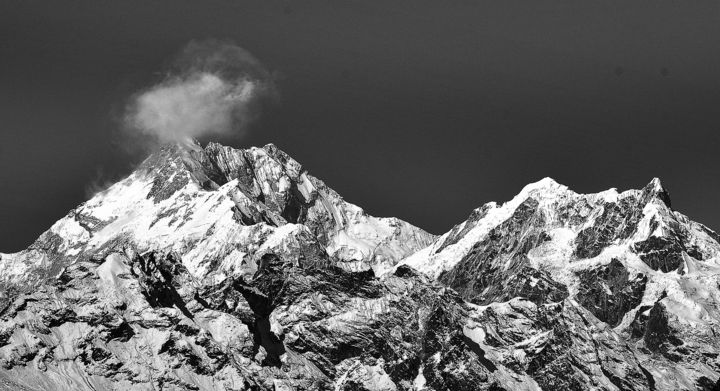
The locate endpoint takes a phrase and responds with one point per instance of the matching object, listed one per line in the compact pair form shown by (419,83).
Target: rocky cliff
(222,269)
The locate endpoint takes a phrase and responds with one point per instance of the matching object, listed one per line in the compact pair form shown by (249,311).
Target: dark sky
(420,110)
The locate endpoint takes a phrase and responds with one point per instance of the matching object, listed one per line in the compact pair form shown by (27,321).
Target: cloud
(213,88)
(100,182)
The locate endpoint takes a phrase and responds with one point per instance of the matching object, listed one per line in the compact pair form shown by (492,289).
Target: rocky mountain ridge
(216,268)
(216,204)
(624,263)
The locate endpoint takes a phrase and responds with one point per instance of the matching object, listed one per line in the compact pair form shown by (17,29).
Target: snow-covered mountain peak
(550,190)
(552,206)
(545,185)
(622,257)
(216,205)
(655,190)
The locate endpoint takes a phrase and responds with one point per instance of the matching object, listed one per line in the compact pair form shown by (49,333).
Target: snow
(436,357)
(380,240)
(199,225)
(433,264)
(419,381)
(138,218)
(610,195)
(305,187)
(15,265)
(475,331)
(693,299)
(371,377)
(109,270)
(233,261)
(555,255)
(535,343)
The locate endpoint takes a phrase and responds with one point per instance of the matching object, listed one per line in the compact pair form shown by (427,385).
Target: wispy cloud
(213,88)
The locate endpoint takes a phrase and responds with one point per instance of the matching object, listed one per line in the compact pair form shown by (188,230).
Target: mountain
(223,269)
(213,207)
(608,290)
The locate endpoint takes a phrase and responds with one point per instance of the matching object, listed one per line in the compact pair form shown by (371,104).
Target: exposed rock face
(222,269)
(496,268)
(609,293)
(299,323)
(558,345)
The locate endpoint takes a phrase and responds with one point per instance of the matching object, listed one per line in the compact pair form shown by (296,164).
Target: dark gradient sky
(421,110)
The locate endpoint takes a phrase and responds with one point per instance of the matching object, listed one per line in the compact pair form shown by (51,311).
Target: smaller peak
(655,189)
(655,184)
(282,156)
(545,184)
(273,150)
(542,189)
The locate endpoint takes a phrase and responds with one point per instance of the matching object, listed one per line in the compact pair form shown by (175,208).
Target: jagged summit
(656,189)
(555,204)
(548,187)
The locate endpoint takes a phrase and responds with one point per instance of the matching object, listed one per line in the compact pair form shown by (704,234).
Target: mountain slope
(299,323)
(212,206)
(619,267)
